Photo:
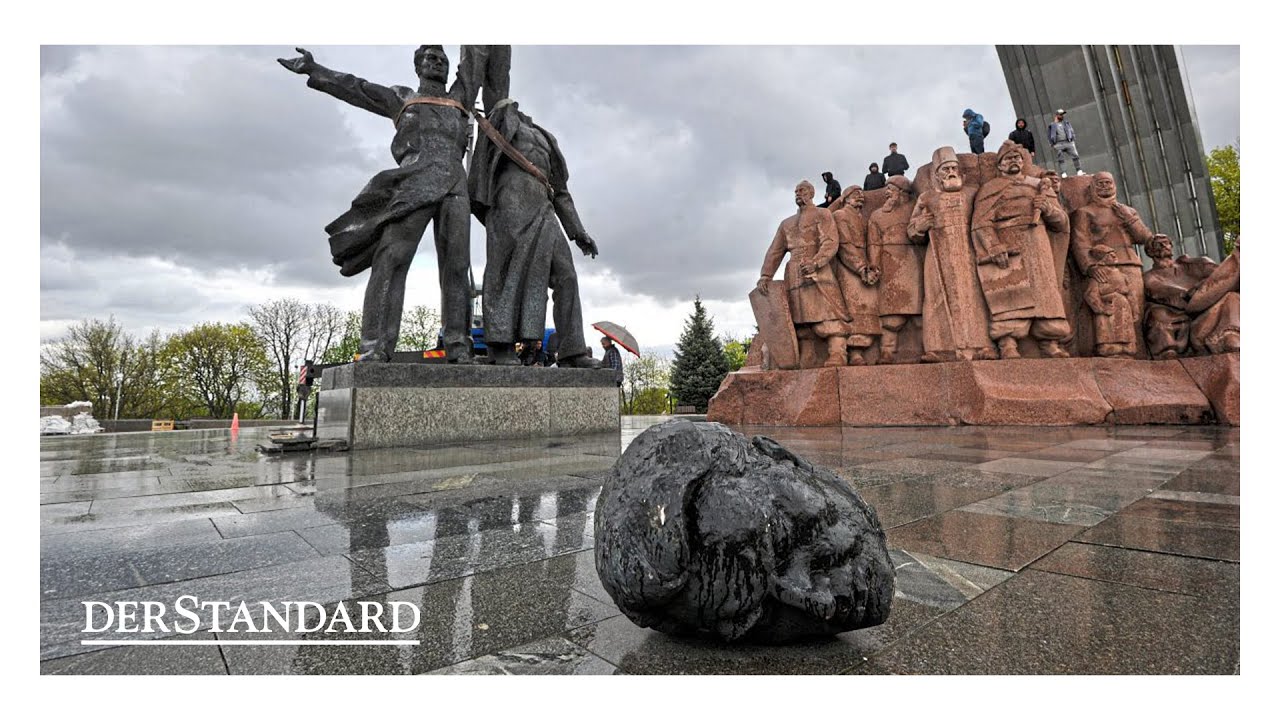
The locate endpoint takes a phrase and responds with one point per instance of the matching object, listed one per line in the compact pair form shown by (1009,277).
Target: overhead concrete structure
(1134,117)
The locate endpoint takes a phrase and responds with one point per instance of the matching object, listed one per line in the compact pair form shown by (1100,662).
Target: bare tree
(282,327)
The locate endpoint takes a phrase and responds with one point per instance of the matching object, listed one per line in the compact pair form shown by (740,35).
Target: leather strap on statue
(428,100)
(507,148)
(515,155)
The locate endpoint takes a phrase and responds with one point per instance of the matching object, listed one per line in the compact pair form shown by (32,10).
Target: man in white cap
(1063,139)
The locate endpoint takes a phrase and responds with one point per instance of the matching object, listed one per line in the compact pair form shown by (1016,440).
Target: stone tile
(327,511)
(586,579)
(1148,452)
(137,538)
(1063,453)
(461,619)
(85,577)
(549,656)
(1205,481)
(1155,571)
(1049,624)
(1145,533)
(148,516)
(1067,503)
(900,503)
(638,650)
(991,540)
(914,466)
(968,455)
(1179,510)
(155,502)
(1111,444)
(139,660)
(402,566)
(939,583)
(1028,466)
(326,579)
(1196,497)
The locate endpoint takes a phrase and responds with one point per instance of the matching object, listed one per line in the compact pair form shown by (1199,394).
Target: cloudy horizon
(182,184)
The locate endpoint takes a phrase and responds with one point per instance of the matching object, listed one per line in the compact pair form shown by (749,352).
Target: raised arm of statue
(347,88)
(568,214)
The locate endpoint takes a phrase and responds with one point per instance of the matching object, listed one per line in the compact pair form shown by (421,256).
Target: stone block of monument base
(1068,391)
(1218,377)
(404,405)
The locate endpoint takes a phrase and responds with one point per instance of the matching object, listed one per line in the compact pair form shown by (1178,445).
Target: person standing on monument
(810,236)
(1023,136)
(895,163)
(519,189)
(387,220)
(1015,259)
(1063,139)
(853,272)
(976,128)
(1107,221)
(899,263)
(955,313)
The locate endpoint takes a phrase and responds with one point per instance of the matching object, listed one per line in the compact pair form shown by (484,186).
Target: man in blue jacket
(1063,139)
(973,128)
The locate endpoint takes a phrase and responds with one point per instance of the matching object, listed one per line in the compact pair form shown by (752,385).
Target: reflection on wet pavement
(1018,550)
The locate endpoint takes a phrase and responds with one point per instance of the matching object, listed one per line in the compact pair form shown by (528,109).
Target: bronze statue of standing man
(387,220)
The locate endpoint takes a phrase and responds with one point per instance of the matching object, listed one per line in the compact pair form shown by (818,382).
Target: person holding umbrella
(614,336)
(612,358)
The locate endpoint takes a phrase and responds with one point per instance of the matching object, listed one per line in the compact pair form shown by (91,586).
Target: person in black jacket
(895,163)
(875,179)
(1023,136)
(833,189)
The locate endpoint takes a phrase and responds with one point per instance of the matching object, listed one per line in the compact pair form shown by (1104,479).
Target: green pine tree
(700,364)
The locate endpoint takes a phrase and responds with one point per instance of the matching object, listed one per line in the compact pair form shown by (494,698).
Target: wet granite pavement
(1080,550)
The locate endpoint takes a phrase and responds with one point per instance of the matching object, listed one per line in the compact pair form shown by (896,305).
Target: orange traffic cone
(235,422)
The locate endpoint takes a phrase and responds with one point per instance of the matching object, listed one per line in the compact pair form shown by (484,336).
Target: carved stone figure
(1060,236)
(1104,220)
(1107,292)
(955,313)
(1172,320)
(853,272)
(813,241)
(1015,260)
(899,263)
(520,192)
(700,531)
(381,231)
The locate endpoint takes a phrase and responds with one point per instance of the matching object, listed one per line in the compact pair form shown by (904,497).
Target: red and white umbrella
(620,335)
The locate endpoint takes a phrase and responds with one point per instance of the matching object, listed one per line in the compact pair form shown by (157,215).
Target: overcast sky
(181,184)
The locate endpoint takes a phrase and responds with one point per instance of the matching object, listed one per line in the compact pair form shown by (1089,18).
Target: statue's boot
(1009,348)
(931,357)
(1050,348)
(372,351)
(856,357)
(986,353)
(458,353)
(837,348)
(888,347)
(503,354)
(579,361)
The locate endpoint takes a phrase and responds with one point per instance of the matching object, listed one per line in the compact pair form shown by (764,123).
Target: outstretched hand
(587,245)
(301,65)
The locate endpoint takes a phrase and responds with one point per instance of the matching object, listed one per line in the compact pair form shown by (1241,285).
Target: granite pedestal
(402,405)
(1070,391)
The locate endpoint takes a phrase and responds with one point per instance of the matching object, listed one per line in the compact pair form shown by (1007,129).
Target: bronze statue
(1192,303)
(1015,259)
(955,313)
(899,263)
(813,241)
(381,231)
(853,271)
(1107,292)
(1106,221)
(519,189)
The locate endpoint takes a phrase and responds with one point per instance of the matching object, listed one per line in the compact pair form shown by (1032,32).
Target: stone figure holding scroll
(955,313)
(810,236)
(899,263)
(1015,258)
(387,220)
(519,189)
(853,271)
